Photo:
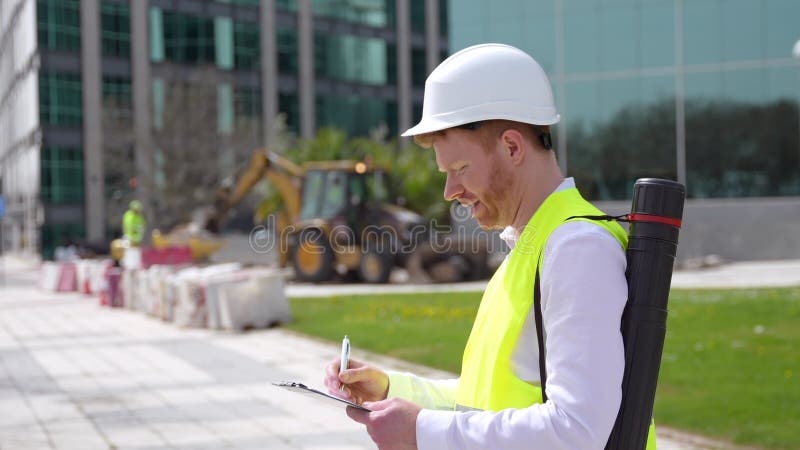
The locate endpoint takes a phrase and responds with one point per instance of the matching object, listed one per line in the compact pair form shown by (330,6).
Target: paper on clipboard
(311,392)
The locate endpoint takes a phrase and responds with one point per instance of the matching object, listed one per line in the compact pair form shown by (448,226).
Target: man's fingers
(359,415)
(355,375)
(376,406)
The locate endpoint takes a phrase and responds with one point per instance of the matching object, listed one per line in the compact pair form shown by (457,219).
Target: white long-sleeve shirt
(584,291)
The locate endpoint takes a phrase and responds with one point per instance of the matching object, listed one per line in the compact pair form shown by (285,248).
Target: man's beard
(495,198)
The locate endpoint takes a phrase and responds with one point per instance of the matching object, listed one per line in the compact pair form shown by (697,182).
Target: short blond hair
(489,131)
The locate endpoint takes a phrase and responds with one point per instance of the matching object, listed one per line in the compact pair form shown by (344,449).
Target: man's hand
(392,424)
(362,382)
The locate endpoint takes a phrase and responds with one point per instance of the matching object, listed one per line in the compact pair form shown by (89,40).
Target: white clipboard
(311,392)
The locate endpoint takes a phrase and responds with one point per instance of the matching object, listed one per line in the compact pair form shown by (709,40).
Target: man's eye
(461,170)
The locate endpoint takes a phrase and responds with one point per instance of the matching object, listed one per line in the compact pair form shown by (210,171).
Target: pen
(345,358)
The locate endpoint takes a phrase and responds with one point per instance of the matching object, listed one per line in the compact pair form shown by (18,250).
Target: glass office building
(136,95)
(701,91)
(704,91)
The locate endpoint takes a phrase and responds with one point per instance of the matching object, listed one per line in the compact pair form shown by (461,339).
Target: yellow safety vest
(487,380)
(133,226)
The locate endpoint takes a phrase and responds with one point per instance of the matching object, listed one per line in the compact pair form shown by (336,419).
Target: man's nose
(452,189)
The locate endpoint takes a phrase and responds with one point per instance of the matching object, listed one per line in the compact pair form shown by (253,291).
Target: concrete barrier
(256,300)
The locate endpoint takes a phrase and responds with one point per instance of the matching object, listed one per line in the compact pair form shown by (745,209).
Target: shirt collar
(510,236)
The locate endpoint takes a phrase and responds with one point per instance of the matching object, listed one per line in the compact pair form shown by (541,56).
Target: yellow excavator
(340,218)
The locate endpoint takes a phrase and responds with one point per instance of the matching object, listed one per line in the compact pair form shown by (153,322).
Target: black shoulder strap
(537,306)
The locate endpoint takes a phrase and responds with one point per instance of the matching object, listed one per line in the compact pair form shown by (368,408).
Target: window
(417,16)
(358,115)
(117,98)
(224,109)
(55,235)
(365,12)
(158,103)
(60,101)
(289,105)
(116,29)
(62,175)
(742,137)
(619,130)
(59,23)
(188,39)
(223,42)
(247,102)
(419,69)
(156,35)
(286,5)
(246,46)
(287,50)
(350,58)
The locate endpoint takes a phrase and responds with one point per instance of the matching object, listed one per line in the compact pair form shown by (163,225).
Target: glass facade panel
(617,24)
(117,99)
(156,35)
(742,37)
(115,21)
(158,103)
(247,102)
(247,111)
(59,24)
(582,48)
(246,46)
(60,101)
(289,105)
(61,175)
(444,22)
(737,74)
(357,115)
(365,12)
(620,130)
(742,133)
(286,5)
(522,23)
(702,31)
(223,42)
(419,69)
(350,58)
(188,39)
(417,16)
(780,35)
(287,50)
(656,33)
(224,109)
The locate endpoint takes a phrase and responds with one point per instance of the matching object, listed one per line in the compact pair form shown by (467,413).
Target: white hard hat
(485,82)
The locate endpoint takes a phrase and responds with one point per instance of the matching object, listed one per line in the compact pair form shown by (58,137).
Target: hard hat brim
(433,124)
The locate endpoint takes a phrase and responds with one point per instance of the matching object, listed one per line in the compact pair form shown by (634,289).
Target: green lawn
(730,368)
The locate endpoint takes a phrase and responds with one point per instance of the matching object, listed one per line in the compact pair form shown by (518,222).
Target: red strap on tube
(652,218)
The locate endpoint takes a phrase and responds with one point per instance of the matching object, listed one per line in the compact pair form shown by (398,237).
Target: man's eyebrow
(453,165)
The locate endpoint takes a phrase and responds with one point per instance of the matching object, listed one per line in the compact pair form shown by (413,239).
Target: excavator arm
(285,175)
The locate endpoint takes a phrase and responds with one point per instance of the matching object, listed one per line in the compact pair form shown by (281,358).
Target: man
(486,113)
(133,223)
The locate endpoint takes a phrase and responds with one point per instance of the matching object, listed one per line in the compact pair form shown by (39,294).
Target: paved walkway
(74,375)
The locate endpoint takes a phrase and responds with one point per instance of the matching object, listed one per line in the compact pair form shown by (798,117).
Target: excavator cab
(347,224)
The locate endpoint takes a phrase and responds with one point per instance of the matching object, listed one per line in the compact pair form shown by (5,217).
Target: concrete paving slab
(75,375)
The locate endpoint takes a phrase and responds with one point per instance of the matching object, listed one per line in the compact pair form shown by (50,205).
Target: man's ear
(512,143)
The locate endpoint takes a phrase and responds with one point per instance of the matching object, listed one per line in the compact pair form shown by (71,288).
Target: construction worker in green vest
(133,223)
(543,366)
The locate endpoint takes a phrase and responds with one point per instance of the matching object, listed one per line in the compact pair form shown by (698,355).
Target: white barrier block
(49,275)
(257,301)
